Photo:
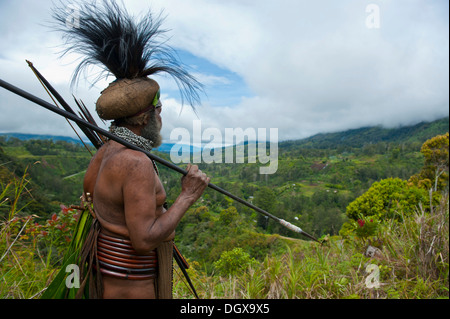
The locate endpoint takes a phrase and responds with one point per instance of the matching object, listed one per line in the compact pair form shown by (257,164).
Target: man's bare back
(128,201)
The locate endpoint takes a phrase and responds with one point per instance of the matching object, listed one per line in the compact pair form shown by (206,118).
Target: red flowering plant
(53,236)
(366,227)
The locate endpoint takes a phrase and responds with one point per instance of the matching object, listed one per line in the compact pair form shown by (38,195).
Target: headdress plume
(108,36)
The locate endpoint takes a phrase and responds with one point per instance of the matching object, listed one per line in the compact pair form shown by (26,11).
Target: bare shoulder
(114,164)
(130,162)
(131,157)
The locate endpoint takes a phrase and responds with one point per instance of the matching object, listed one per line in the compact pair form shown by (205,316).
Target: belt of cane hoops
(118,259)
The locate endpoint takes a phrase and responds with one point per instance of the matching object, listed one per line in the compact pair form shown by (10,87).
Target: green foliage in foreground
(411,259)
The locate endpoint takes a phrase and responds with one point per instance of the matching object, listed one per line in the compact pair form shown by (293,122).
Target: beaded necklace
(130,137)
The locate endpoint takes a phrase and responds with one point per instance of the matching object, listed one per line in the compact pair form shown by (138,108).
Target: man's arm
(147,230)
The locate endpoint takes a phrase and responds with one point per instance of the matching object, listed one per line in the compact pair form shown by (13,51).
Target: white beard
(152,131)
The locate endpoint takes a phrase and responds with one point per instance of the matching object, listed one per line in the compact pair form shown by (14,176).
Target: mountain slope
(369,135)
(354,137)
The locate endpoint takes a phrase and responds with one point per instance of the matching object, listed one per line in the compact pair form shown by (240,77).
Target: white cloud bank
(312,66)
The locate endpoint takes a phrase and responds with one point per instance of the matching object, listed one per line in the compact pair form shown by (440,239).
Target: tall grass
(29,251)
(418,250)
(17,274)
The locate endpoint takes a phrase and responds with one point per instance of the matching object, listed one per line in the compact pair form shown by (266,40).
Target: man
(130,242)
(128,201)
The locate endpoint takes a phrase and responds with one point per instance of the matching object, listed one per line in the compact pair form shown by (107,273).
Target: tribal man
(130,244)
(129,202)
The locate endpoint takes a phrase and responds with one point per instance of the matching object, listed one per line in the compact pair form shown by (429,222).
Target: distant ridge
(368,135)
(355,137)
(167,147)
(24,137)
(164,148)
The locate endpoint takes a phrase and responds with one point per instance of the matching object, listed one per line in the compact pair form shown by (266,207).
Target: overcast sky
(304,67)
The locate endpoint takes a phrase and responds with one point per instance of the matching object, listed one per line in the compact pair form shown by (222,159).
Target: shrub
(234,262)
(386,198)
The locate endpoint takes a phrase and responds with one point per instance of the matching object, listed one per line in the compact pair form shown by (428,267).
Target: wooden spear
(81,122)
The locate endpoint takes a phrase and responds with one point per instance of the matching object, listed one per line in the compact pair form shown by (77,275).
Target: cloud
(317,67)
(303,67)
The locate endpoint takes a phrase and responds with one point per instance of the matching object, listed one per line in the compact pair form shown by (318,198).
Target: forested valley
(350,189)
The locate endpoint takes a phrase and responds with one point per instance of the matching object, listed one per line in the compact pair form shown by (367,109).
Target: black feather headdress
(128,47)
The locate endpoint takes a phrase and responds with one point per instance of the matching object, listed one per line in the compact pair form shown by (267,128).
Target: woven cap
(126,97)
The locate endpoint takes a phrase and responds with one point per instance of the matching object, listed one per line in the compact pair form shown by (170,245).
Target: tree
(434,173)
(266,199)
(229,216)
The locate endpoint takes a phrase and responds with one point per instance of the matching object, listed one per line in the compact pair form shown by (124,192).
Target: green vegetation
(30,250)
(380,207)
(55,169)
(412,262)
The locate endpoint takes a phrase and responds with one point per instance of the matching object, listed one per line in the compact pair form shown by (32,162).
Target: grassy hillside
(55,170)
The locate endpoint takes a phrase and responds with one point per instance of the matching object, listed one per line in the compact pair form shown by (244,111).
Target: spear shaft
(81,122)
